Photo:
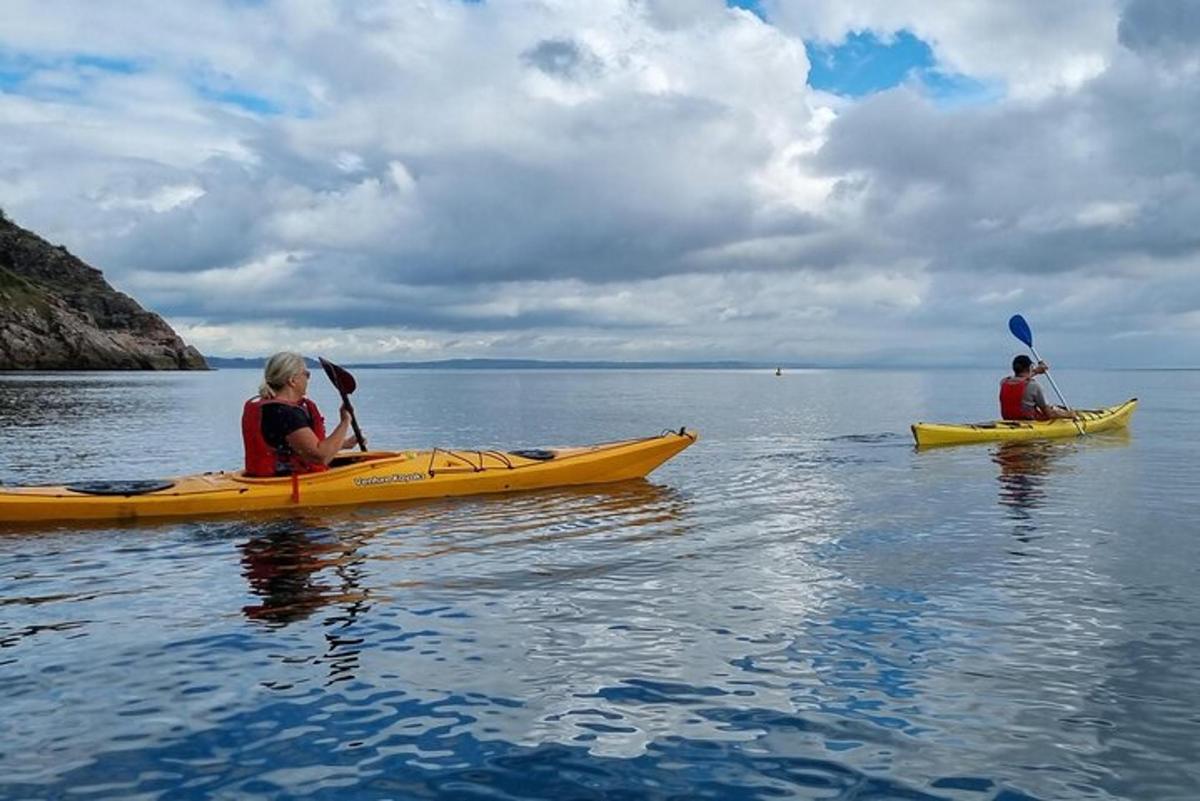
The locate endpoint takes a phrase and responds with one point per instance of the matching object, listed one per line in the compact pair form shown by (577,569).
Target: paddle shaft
(353,420)
(1057,391)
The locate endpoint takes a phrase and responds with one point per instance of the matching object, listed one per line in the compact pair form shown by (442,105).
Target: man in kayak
(282,430)
(1021,398)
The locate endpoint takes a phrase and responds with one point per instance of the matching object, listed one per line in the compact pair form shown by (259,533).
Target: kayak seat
(119,487)
(538,454)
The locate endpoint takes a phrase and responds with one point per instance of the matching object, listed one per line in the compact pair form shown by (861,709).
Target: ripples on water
(798,606)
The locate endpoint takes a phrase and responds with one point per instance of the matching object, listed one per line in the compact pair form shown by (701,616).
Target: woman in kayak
(1021,398)
(282,430)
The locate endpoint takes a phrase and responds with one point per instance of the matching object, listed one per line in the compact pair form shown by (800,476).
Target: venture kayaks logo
(394,478)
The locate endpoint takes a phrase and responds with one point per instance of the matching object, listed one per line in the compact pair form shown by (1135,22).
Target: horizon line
(469,363)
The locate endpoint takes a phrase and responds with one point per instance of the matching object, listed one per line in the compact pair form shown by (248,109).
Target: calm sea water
(799,606)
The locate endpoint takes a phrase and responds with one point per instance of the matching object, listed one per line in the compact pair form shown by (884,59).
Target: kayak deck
(1090,421)
(353,479)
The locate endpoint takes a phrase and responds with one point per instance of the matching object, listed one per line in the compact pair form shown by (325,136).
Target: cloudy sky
(820,181)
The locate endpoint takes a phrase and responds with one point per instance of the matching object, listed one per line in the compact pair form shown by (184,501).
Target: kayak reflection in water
(282,430)
(1024,469)
(294,571)
(1021,397)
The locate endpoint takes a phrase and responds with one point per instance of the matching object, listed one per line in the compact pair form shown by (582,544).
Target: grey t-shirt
(1033,399)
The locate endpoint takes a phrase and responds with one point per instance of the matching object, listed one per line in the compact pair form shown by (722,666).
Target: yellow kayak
(1090,421)
(353,479)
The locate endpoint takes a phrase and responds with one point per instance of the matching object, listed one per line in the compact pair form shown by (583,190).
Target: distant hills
(222,363)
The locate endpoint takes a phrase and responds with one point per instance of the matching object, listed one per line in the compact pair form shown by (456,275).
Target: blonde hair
(280,367)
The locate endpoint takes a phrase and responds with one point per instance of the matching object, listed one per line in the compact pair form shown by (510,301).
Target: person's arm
(1057,412)
(304,442)
(1039,399)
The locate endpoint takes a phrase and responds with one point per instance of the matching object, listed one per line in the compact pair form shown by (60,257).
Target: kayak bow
(1088,421)
(353,479)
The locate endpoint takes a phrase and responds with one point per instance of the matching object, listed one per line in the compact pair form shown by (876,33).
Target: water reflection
(1023,470)
(484,531)
(1026,469)
(295,569)
(52,398)
(107,426)
(336,560)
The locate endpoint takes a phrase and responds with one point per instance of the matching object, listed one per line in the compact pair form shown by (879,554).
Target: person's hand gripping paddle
(345,385)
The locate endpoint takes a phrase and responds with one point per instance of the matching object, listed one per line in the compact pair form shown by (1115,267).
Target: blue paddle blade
(1020,329)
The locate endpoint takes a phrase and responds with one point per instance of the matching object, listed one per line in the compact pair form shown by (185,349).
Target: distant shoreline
(223,363)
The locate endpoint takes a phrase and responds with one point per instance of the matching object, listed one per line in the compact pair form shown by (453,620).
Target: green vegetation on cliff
(58,313)
(19,292)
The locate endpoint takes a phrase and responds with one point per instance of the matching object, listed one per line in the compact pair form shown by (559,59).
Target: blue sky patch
(223,88)
(16,70)
(863,64)
(956,89)
(19,74)
(10,77)
(256,104)
(753,6)
(122,66)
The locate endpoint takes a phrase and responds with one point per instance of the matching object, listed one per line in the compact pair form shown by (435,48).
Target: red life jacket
(261,458)
(1012,393)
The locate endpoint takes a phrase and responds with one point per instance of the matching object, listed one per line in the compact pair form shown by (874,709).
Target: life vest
(1012,395)
(261,458)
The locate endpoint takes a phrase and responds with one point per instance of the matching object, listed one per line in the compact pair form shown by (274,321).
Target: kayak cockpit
(126,488)
(340,463)
(349,458)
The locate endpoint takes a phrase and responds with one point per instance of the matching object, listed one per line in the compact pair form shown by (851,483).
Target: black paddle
(345,384)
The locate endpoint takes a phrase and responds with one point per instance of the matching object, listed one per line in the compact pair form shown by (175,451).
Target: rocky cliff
(57,313)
